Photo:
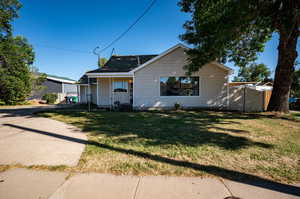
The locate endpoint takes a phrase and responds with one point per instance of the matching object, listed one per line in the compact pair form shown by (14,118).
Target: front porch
(108,91)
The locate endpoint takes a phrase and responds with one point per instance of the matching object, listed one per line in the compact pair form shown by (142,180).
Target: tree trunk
(287,54)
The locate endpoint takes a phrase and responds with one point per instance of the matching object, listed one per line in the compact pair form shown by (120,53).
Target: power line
(109,45)
(64,49)
(130,27)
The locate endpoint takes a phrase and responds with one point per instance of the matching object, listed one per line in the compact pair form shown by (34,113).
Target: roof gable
(173,49)
(159,56)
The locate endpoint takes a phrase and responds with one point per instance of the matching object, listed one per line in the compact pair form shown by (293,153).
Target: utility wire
(109,45)
(130,27)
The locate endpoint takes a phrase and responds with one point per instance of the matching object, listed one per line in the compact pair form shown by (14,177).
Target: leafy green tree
(101,62)
(295,87)
(237,30)
(16,55)
(253,73)
(15,75)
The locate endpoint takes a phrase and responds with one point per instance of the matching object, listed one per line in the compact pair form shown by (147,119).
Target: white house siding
(213,84)
(83,94)
(94,93)
(69,88)
(103,91)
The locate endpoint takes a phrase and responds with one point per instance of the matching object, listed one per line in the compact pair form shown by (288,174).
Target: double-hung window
(120,86)
(179,86)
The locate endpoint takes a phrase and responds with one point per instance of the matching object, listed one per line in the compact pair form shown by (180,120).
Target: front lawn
(188,143)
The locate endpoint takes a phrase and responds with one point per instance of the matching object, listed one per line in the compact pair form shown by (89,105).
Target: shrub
(2,103)
(177,106)
(50,98)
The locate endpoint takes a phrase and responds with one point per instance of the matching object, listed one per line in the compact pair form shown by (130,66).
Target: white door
(120,92)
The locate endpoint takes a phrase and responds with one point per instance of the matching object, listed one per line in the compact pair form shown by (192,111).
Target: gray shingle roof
(123,63)
(59,77)
(84,80)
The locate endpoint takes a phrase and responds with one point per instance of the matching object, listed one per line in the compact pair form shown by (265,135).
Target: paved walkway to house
(23,140)
(29,184)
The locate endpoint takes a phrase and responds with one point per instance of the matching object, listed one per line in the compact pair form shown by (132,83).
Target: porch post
(97,91)
(89,95)
(133,78)
(110,92)
(78,93)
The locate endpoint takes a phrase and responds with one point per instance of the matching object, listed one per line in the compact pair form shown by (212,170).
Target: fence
(248,99)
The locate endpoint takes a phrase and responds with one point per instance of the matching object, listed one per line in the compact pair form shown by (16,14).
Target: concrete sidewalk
(24,183)
(31,140)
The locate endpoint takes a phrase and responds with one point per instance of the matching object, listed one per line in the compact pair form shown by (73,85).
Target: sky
(65,32)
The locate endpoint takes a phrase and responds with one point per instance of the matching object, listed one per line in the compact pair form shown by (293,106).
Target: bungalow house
(156,81)
(62,86)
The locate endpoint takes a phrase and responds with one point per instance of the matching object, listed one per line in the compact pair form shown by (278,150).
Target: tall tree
(16,55)
(253,73)
(15,75)
(237,30)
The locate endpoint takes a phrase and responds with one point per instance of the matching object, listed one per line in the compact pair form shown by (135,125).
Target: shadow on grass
(213,170)
(166,128)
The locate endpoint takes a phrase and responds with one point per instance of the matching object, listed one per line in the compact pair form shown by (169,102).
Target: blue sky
(79,26)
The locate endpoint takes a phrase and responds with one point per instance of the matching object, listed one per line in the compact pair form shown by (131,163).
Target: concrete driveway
(30,140)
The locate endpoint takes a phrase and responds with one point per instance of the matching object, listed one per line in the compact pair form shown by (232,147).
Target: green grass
(188,143)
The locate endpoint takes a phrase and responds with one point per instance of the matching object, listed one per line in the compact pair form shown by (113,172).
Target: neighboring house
(157,81)
(54,84)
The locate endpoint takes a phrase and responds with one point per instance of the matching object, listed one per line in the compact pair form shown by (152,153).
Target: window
(179,86)
(120,86)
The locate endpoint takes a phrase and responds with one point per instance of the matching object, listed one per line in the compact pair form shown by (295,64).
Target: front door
(121,92)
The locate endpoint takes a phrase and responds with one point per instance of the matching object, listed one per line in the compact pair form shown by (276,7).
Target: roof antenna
(112,51)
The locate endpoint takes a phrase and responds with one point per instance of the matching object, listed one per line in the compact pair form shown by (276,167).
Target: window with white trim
(179,86)
(120,86)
